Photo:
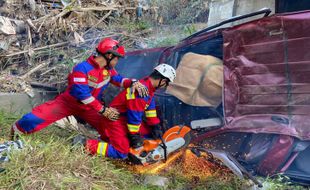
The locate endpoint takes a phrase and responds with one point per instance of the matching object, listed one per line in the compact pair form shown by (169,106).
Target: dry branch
(102,19)
(29,22)
(36,49)
(34,70)
(53,23)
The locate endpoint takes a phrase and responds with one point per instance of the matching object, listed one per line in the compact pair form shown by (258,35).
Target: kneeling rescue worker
(82,98)
(118,136)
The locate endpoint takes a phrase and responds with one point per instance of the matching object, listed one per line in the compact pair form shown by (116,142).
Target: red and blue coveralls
(114,134)
(86,83)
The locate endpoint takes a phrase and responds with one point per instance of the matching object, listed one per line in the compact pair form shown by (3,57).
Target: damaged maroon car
(243,89)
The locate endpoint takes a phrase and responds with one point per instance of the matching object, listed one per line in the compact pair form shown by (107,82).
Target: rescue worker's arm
(152,120)
(120,81)
(81,90)
(151,114)
(135,109)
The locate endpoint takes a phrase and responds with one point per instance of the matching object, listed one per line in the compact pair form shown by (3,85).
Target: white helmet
(166,70)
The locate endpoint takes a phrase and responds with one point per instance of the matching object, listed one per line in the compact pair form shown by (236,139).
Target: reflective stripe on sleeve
(150,113)
(133,128)
(98,85)
(88,100)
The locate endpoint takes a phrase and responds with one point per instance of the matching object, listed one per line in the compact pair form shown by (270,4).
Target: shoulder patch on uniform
(105,72)
(92,78)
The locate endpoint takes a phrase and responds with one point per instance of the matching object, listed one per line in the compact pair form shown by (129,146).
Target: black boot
(13,135)
(136,140)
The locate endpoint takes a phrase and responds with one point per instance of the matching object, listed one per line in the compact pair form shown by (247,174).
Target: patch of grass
(280,182)
(134,26)
(6,120)
(163,41)
(180,12)
(49,161)
(189,29)
(173,38)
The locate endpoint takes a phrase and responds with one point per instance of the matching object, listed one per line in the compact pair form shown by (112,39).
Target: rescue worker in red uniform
(128,131)
(82,98)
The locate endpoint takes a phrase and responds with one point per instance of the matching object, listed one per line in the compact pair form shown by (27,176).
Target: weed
(280,182)
(135,26)
(49,161)
(177,12)
(189,29)
(163,42)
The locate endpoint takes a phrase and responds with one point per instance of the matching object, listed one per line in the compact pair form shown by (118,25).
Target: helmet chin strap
(108,66)
(161,85)
(108,61)
(105,56)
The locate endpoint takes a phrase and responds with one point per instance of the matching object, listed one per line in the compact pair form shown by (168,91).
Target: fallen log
(44,86)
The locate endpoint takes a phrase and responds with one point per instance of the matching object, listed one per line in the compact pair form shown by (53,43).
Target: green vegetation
(48,161)
(176,12)
(163,42)
(132,27)
(280,182)
(189,29)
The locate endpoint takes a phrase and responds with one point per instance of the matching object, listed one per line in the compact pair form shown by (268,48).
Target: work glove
(135,140)
(110,113)
(137,86)
(157,132)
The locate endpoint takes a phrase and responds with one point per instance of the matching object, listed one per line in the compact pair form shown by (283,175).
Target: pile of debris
(41,40)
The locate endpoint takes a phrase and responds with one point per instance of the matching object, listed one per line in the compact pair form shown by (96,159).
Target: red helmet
(108,45)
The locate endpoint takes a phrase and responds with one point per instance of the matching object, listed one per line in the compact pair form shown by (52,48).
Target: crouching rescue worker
(118,136)
(82,98)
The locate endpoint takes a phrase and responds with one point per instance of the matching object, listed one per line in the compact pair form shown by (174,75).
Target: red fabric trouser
(112,132)
(115,133)
(47,113)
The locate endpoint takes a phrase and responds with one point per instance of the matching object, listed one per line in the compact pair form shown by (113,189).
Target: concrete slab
(221,10)
(22,103)
(247,6)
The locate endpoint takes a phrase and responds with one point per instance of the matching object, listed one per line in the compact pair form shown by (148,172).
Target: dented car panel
(264,115)
(266,69)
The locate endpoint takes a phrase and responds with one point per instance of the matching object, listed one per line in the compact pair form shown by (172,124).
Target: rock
(2,2)
(20,26)
(6,26)
(32,5)
(78,38)
(140,44)
(6,42)
(156,181)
